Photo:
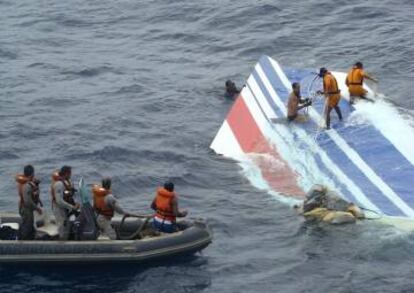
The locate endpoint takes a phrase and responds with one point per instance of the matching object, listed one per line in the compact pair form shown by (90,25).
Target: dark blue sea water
(133,89)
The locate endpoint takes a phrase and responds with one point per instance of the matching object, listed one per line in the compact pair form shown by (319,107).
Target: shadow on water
(188,271)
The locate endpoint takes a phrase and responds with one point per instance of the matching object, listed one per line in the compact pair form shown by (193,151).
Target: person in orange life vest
(332,95)
(105,206)
(166,209)
(295,102)
(63,204)
(355,80)
(29,201)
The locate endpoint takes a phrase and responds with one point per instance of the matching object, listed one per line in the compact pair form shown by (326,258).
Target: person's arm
(366,75)
(304,100)
(176,211)
(112,203)
(304,103)
(326,86)
(153,205)
(59,189)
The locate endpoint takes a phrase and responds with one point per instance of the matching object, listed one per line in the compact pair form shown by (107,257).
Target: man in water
(355,81)
(63,204)
(231,90)
(28,189)
(105,205)
(166,206)
(332,94)
(296,103)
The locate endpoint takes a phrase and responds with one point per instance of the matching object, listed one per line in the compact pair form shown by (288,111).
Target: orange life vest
(354,81)
(330,85)
(99,194)
(163,204)
(68,192)
(21,181)
(331,89)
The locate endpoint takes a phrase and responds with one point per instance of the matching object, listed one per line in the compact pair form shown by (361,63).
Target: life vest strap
(165,213)
(108,213)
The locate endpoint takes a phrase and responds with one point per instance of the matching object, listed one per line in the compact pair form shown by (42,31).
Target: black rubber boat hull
(194,238)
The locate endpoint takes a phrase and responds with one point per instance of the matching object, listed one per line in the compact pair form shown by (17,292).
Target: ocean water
(134,90)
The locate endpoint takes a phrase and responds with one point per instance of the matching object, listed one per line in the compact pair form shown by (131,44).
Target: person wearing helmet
(29,201)
(165,205)
(231,90)
(63,204)
(296,103)
(332,94)
(105,205)
(355,80)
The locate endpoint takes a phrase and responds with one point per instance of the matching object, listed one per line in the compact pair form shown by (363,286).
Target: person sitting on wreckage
(327,206)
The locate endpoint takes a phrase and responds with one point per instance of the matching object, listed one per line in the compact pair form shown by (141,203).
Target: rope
(372,211)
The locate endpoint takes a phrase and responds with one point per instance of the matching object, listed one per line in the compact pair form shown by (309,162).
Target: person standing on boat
(332,95)
(355,81)
(29,201)
(296,103)
(105,205)
(62,192)
(165,205)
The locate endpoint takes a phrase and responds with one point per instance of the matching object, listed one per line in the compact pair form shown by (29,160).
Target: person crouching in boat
(332,95)
(296,103)
(105,206)
(355,80)
(29,201)
(62,192)
(165,205)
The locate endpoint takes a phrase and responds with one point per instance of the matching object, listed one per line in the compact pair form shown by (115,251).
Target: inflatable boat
(367,158)
(194,235)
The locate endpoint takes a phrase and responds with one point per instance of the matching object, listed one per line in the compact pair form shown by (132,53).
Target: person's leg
(167,228)
(328,117)
(59,221)
(109,230)
(291,118)
(163,226)
(105,226)
(66,228)
(338,111)
(62,223)
(367,99)
(26,228)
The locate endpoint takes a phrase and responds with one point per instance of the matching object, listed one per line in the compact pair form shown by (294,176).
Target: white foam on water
(384,116)
(302,162)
